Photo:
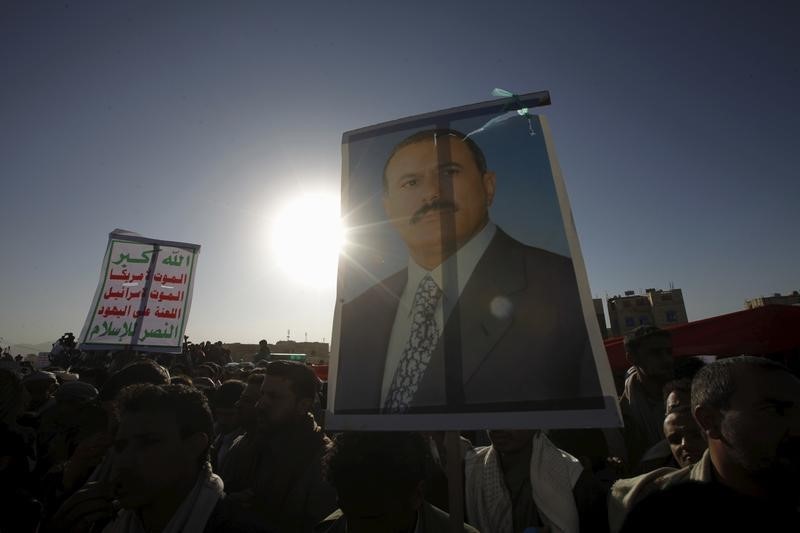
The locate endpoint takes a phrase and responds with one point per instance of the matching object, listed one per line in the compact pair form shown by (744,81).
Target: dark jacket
(284,472)
(521,339)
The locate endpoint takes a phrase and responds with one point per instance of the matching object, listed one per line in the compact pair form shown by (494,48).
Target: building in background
(668,307)
(656,307)
(316,352)
(775,299)
(313,352)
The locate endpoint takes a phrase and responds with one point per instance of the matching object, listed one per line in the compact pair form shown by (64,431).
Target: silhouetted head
(749,411)
(434,174)
(378,477)
(288,391)
(649,349)
(162,442)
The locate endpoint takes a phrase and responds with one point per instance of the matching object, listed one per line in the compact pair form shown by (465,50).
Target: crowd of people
(128,442)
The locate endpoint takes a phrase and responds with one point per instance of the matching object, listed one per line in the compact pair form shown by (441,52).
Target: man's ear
(489,185)
(198,444)
(304,405)
(710,421)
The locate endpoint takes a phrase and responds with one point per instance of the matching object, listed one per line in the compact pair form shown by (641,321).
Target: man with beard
(748,409)
(161,479)
(236,468)
(227,422)
(649,350)
(279,473)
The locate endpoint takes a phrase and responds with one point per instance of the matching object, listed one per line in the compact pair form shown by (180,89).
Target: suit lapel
(485,312)
(379,328)
(486,305)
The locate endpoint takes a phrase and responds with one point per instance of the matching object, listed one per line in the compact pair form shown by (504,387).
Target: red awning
(321,371)
(759,331)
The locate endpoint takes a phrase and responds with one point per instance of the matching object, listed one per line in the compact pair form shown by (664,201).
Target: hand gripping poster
(143,298)
(462,295)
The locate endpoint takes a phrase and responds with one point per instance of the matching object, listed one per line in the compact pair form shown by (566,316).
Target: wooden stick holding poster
(461,215)
(143,297)
(455,480)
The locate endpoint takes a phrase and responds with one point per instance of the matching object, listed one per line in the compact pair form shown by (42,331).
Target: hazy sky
(197,121)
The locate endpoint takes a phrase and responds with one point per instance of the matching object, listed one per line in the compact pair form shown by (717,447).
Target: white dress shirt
(465,260)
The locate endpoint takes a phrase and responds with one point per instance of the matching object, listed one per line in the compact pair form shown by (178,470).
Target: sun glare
(307,235)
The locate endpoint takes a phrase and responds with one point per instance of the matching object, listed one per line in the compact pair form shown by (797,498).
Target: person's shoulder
(625,493)
(388,287)
(538,256)
(712,507)
(649,481)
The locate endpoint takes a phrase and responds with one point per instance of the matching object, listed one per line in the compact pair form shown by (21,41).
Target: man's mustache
(427,208)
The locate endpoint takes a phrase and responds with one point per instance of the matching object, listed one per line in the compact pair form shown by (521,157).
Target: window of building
(672,316)
(630,322)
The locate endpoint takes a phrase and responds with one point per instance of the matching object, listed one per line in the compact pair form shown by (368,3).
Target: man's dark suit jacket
(523,340)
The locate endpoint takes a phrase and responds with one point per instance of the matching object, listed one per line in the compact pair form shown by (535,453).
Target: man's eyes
(675,439)
(780,408)
(450,171)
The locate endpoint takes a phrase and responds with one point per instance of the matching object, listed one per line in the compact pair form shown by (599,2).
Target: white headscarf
(190,517)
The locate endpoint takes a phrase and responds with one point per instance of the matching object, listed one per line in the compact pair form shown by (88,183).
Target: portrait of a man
(475,320)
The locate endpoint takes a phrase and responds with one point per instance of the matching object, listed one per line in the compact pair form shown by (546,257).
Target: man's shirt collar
(466,258)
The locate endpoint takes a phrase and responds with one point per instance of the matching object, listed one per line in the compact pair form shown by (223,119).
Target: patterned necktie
(422,340)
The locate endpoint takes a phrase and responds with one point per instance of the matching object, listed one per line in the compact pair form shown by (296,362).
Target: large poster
(463,301)
(143,297)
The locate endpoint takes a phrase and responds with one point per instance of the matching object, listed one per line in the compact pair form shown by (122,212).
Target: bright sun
(307,235)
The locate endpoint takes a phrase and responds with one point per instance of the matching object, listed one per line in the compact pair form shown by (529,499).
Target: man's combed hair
(715,384)
(304,382)
(427,135)
(392,460)
(189,405)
